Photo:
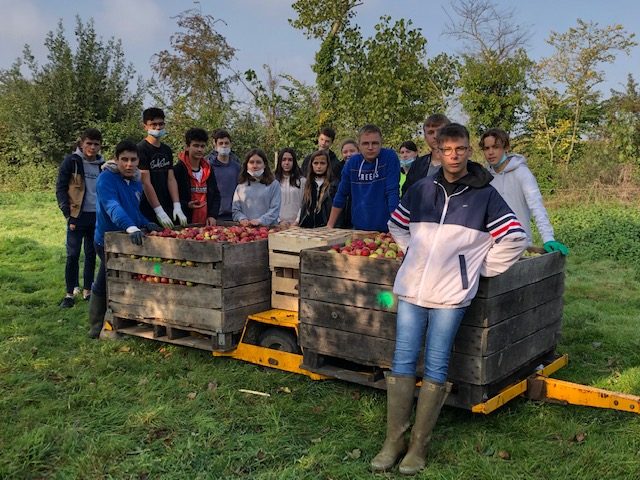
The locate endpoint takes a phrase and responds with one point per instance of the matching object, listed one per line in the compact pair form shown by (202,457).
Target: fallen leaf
(260,455)
(355,395)
(489,452)
(143,381)
(124,349)
(596,344)
(284,389)
(316,440)
(192,395)
(504,455)
(212,386)
(354,454)
(579,437)
(165,352)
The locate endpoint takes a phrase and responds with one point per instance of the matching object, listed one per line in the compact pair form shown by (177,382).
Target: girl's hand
(211,222)
(244,222)
(255,222)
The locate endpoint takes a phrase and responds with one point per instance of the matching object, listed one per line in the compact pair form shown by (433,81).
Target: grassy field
(74,408)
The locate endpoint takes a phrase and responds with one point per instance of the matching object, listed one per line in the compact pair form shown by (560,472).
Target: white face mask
(223,150)
(157,133)
(256,174)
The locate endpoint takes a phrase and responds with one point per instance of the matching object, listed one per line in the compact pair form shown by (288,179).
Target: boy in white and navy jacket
(453,227)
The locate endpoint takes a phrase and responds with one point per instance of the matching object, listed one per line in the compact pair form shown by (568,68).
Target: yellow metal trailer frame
(538,386)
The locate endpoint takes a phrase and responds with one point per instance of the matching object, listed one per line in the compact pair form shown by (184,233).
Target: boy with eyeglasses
(453,227)
(156,167)
(428,164)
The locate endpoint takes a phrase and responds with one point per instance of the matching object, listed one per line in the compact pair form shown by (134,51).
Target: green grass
(75,408)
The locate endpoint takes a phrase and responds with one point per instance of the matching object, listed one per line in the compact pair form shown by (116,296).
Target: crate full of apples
(374,245)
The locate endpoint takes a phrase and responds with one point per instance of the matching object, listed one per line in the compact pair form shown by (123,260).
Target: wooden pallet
(222,283)
(348,310)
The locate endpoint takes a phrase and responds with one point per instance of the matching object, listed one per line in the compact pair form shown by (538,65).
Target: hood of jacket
(111,166)
(213,159)
(477,176)
(515,161)
(183,156)
(96,160)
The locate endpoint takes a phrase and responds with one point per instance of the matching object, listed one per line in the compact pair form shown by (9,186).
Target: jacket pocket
(463,272)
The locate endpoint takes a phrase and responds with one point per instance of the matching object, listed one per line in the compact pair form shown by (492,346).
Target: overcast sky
(260,32)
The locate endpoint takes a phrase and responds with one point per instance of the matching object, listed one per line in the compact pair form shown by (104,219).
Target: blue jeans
(441,326)
(83,233)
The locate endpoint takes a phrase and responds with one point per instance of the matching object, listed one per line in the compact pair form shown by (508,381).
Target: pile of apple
(179,263)
(155,279)
(379,245)
(234,234)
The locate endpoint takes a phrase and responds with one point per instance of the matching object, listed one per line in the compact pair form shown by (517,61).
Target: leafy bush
(30,177)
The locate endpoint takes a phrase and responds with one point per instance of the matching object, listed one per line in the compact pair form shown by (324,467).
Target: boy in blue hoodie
(371,178)
(117,208)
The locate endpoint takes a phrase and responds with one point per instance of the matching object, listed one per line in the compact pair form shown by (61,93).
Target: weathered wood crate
(223,283)
(284,259)
(348,322)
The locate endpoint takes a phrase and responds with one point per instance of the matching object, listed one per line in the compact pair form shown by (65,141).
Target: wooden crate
(348,313)
(284,259)
(227,282)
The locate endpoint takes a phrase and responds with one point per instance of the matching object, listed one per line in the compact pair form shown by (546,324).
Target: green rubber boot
(430,401)
(97,309)
(400,394)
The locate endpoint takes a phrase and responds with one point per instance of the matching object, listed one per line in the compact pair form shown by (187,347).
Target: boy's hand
(255,222)
(553,246)
(178,215)
(163,218)
(153,227)
(244,222)
(135,235)
(211,222)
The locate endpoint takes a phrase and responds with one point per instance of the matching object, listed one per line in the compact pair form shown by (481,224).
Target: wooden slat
(250,271)
(296,239)
(208,273)
(117,242)
(346,291)
(365,321)
(143,293)
(284,302)
(284,260)
(525,271)
(236,253)
(319,261)
(284,285)
(201,343)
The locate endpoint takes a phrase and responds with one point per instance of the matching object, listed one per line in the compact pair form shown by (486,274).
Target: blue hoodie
(373,188)
(118,205)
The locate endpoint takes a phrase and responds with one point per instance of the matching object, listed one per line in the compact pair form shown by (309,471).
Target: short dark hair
(126,146)
(369,128)
(409,145)
(453,131)
(152,113)
(350,141)
(219,133)
(500,135)
(328,132)
(436,120)
(197,134)
(91,134)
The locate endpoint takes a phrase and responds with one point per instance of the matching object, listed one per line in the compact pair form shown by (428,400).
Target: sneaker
(67,302)
(86,297)
(76,291)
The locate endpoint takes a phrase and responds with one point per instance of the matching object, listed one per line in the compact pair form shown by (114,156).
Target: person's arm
(213,198)
(340,199)
(272,214)
(181,176)
(236,206)
(107,194)
(62,187)
(399,223)
(172,186)
(508,238)
(392,182)
(533,197)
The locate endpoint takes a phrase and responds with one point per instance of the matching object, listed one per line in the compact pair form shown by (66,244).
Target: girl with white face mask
(318,192)
(256,200)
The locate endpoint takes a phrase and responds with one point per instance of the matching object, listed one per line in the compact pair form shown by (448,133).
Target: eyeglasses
(448,151)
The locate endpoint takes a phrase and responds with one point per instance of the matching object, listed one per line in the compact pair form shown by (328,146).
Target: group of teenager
(454,219)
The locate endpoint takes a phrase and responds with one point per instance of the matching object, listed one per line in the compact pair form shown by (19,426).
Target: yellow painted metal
(575,394)
(268,357)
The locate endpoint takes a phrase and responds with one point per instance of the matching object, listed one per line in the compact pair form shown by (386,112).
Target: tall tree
(575,66)
(195,75)
(325,20)
(493,76)
(72,90)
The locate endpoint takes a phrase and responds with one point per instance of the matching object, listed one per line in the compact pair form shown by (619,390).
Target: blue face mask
(157,133)
(406,163)
(502,160)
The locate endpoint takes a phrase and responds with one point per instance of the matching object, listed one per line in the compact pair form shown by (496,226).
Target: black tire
(279,339)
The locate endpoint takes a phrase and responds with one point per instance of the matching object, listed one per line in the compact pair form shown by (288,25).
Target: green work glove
(554,246)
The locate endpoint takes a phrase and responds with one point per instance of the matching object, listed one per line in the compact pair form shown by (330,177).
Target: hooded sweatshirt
(519,188)
(451,234)
(374,188)
(200,186)
(227,179)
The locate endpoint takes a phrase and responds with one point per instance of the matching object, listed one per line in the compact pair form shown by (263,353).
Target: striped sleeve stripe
(403,210)
(400,216)
(509,232)
(502,230)
(400,220)
(500,221)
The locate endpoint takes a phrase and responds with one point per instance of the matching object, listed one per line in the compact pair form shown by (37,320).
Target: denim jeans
(100,285)
(82,234)
(441,326)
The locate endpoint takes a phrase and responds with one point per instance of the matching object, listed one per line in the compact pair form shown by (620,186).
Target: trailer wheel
(279,339)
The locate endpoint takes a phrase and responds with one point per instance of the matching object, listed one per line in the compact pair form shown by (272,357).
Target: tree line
(552,106)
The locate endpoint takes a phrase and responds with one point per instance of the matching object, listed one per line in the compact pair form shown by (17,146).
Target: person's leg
(73,244)
(401,383)
(89,259)
(98,302)
(441,332)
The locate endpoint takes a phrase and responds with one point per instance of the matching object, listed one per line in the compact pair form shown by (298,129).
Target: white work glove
(178,216)
(163,218)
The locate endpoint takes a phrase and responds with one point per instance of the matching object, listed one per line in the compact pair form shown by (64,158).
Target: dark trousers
(100,285)
(82,234)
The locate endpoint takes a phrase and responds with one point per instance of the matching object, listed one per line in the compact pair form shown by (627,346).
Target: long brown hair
(267,177)
(296,173)
(311,180)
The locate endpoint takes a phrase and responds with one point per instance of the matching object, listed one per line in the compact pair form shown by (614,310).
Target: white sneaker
(76,291)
